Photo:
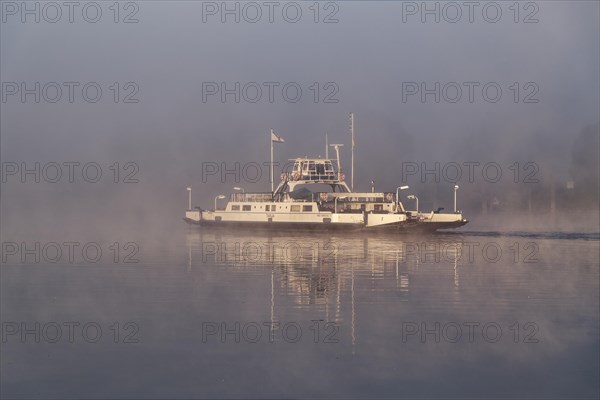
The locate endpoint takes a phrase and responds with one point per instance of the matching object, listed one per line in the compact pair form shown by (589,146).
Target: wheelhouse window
(246,208)
(267,208)
(307,208)
(295,208)
(320,169)
(328,167)
(235,207)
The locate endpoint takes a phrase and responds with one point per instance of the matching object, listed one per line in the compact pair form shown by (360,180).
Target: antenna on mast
(326,146)
(352,162)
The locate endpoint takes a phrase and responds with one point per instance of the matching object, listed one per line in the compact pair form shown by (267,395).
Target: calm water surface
(258,314)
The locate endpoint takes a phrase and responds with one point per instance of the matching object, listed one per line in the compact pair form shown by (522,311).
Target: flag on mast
(275,138)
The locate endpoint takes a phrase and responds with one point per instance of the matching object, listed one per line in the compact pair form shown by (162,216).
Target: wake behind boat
(292,205)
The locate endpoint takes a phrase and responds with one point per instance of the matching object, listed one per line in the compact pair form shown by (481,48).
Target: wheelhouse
(313,170)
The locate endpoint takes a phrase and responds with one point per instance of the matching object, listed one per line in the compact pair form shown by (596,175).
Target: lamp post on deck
(219,197)
(397,190)
(189,190)
(413,197)
(238,189)
(455,189)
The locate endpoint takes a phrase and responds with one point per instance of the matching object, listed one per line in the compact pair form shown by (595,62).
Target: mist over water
(105,243)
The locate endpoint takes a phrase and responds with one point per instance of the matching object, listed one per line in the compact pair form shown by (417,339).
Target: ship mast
(272,177)
(352,162)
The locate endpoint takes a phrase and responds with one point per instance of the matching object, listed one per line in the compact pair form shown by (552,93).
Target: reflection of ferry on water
(313,267)
(292,205)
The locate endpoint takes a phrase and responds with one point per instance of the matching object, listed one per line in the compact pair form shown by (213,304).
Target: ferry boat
(292,205)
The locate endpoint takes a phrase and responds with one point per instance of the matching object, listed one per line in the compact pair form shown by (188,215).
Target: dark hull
(408,227)
(305,226)
(430,226)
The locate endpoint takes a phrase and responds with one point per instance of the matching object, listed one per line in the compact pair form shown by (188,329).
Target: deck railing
(311,176)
